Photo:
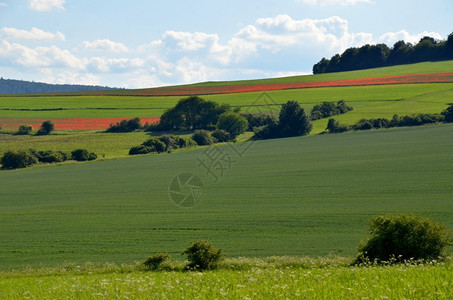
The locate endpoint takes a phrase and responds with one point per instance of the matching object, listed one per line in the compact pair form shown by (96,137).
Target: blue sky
(140,43)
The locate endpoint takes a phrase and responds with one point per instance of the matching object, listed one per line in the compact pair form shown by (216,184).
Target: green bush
(24,129)
(403,237)
(202,138)
(136,150)
(50,156)
(125,126)
(17,159)
(233,123)
(46,128)
(203,256)
(335,126)
(448,114)
(155,145)
(153,262)
(83,155)
(328,109)
(221,136)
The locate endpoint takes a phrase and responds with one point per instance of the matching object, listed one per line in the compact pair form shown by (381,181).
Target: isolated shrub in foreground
(83,155)
(153,262)
(46,128)
(202,138)
(17,159)
(203,256)
(24,129)
(403,237)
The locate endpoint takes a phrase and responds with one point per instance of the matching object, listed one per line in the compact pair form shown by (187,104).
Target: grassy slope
(297,196)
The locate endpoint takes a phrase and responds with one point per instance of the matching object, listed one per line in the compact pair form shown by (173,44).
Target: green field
(334,282)
(296,196)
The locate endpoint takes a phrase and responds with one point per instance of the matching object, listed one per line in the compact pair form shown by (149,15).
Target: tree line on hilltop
(11,86)
(380,55)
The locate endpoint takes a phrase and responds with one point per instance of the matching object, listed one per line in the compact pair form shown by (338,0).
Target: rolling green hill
(296,196)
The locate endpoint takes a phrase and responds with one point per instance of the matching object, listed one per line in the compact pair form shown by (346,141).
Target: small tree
(203,256)
(221,135)
(404,237)
(233,123)
(19,159)
(46,128)
(293,120)
(24,129)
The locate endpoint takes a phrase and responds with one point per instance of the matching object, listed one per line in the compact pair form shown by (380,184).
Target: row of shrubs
(22,159)
(393,239)
(46,128)
(328,109)
(168,143)
(201,256)
(446,116)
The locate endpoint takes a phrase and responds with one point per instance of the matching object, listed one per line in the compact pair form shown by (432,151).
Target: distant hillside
(376,56)
(11,86)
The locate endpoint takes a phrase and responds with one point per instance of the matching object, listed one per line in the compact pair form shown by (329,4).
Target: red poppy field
(68,123)
(227,89)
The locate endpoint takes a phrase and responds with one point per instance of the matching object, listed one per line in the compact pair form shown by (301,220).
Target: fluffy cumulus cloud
(46,5)
(391,38)
(105,45)
(334,2)
(9,33)
(269,47)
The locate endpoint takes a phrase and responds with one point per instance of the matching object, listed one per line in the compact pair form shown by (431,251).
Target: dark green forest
(11,86)
(380,55)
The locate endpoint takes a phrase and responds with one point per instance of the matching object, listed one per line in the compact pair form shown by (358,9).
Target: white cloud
(390,38)
(46,5)
(2,4)
(105,45)
(34,34)
(334,2)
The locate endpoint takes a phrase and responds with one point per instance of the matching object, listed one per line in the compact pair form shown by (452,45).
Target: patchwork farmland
(294,197)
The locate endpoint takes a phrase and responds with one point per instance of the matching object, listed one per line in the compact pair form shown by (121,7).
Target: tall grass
(272,281)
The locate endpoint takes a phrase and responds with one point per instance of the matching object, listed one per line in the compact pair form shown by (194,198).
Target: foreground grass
(263,279)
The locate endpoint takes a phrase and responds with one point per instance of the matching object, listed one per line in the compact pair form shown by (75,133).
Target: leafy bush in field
(50,156)
(258,120)
(202,256)
(221,136)
(24,129)
(46,128)
(155,145)
(136,150)
(233,123)
(202,137)
(153,262)
(335,126)
(83,155)
(448,114)
(17,159)
(403,237)
(125,126)
(328,109)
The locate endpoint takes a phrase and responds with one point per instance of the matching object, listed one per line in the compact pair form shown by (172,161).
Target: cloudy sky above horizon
(139,43)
